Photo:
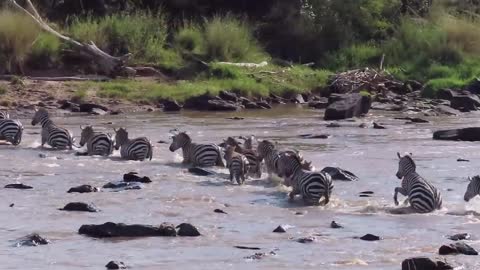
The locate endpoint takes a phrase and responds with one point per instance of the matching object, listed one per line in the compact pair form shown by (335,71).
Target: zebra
(248,142)
(473,188)
(57,137)
(203,155)
(4,115)
(97,143)
(132,149)
(254,164)
(422,195)
(11,131)
(237,164)
(312,186)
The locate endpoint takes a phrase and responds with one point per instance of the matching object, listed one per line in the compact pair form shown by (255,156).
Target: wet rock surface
(187,229)
(459,236)
(80,206)
(370,237)
(18,186)
(280,229)
(347,106)
(464,134)
(116,265)
(423,263)
(120,186)
(133,177)
(32,240)
(457,248)
(171,106)
(335,225)
(83,189)
(110,229)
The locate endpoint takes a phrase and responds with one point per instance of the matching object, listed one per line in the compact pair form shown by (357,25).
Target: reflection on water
(254,209)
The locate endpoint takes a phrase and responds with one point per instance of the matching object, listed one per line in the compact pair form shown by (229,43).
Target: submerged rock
(115,265)
(119,186)
(464,134)
(457,248)
(305,240)
(340,174)
(423,263)
(32,240)
(18,186)
(347,106)
(378,126)
(280,229)
(133,177)
(83,189)
(462,160)
(459,236)
(80,206)
(314,136)
(220,211)
(335,225)
(200,171)
(111,229)
(370,237)
(245,247)
(187,229)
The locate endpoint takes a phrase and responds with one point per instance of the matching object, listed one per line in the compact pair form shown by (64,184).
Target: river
(254,209)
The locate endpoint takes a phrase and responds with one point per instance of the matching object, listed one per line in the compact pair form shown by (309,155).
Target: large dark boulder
(463,101)
(187,229)
(464,134)
(474,86)
(457,248)
(111,229)
(229,96)
(208,102)
(347,106)
(171,106)
(80,207)
(423,263)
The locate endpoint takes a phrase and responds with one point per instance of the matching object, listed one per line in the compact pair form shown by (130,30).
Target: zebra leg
(401,191)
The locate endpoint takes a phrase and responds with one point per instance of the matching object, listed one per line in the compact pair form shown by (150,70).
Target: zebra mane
(410,159)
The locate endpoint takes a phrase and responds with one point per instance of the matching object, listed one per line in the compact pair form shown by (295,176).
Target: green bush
(189,38)
(17,34)
(45,51)
(432,86)
(229,39)
(356,56)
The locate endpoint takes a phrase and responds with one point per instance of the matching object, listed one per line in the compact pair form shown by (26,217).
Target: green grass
(247,82)
(190,38)
(17,34)
(45,51)
(432,86)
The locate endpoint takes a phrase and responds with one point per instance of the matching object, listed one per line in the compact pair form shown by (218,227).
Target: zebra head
(264,147)
(87,133)
(406,165)
(179,140)
(473,188)
(248,141)
(287,163)
(229,150)
(39,116)
(121,136)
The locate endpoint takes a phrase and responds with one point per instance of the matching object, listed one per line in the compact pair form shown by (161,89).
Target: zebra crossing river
(254,209)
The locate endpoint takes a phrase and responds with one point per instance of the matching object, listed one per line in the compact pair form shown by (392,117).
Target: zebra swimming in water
(312,186)
(11,131)
(57,137)
(422,195)
(473,188)
(132,149)
(237,164)
(266,151)
(254,163)
(4,115)
(204,155)
(98,143)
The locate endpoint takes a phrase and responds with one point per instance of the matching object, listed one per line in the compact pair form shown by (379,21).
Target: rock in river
(119,186)
(133,177)
(335,225)
(457,248)
(32,240)
(347,106)
(464,134)
(80,206)
(340,174)
(187,229)
(18,186)
(115,265)
(280,229)
(82,189)
(459,236)
(422,263)
(370,237)
(111,229)
(171,106)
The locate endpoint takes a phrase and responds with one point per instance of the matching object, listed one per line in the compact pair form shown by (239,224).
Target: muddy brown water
(254,209)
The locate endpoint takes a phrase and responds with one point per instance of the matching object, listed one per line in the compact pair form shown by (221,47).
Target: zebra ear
(116,130)
(470,179)
(411,154)
(81,127)
(398,154)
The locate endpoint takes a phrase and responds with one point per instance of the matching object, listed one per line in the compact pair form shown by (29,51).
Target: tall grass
(189,37)
(17,34)
(45,51)
(229,39)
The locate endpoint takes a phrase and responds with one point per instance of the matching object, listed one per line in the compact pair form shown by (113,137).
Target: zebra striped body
(237,164)
(98,143)
(422,195)
(473,188)
(248,143)
(254,164)
(312,186)
(266,151)
(11,131)
(55,136)
(4,115)
(203,155)
(133,149)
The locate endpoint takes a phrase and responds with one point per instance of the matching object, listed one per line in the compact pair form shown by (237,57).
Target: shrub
(17,34)
(356,56)
(431,87)
(189,38)
(229,39)
(45,51)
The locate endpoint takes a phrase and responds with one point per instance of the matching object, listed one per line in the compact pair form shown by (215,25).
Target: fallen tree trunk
(109,65)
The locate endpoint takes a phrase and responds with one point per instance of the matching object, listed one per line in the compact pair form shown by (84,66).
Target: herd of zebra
(242,161)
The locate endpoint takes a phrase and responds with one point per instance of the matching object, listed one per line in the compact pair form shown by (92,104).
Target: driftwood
(253,65)
(362,79)
(109,65)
